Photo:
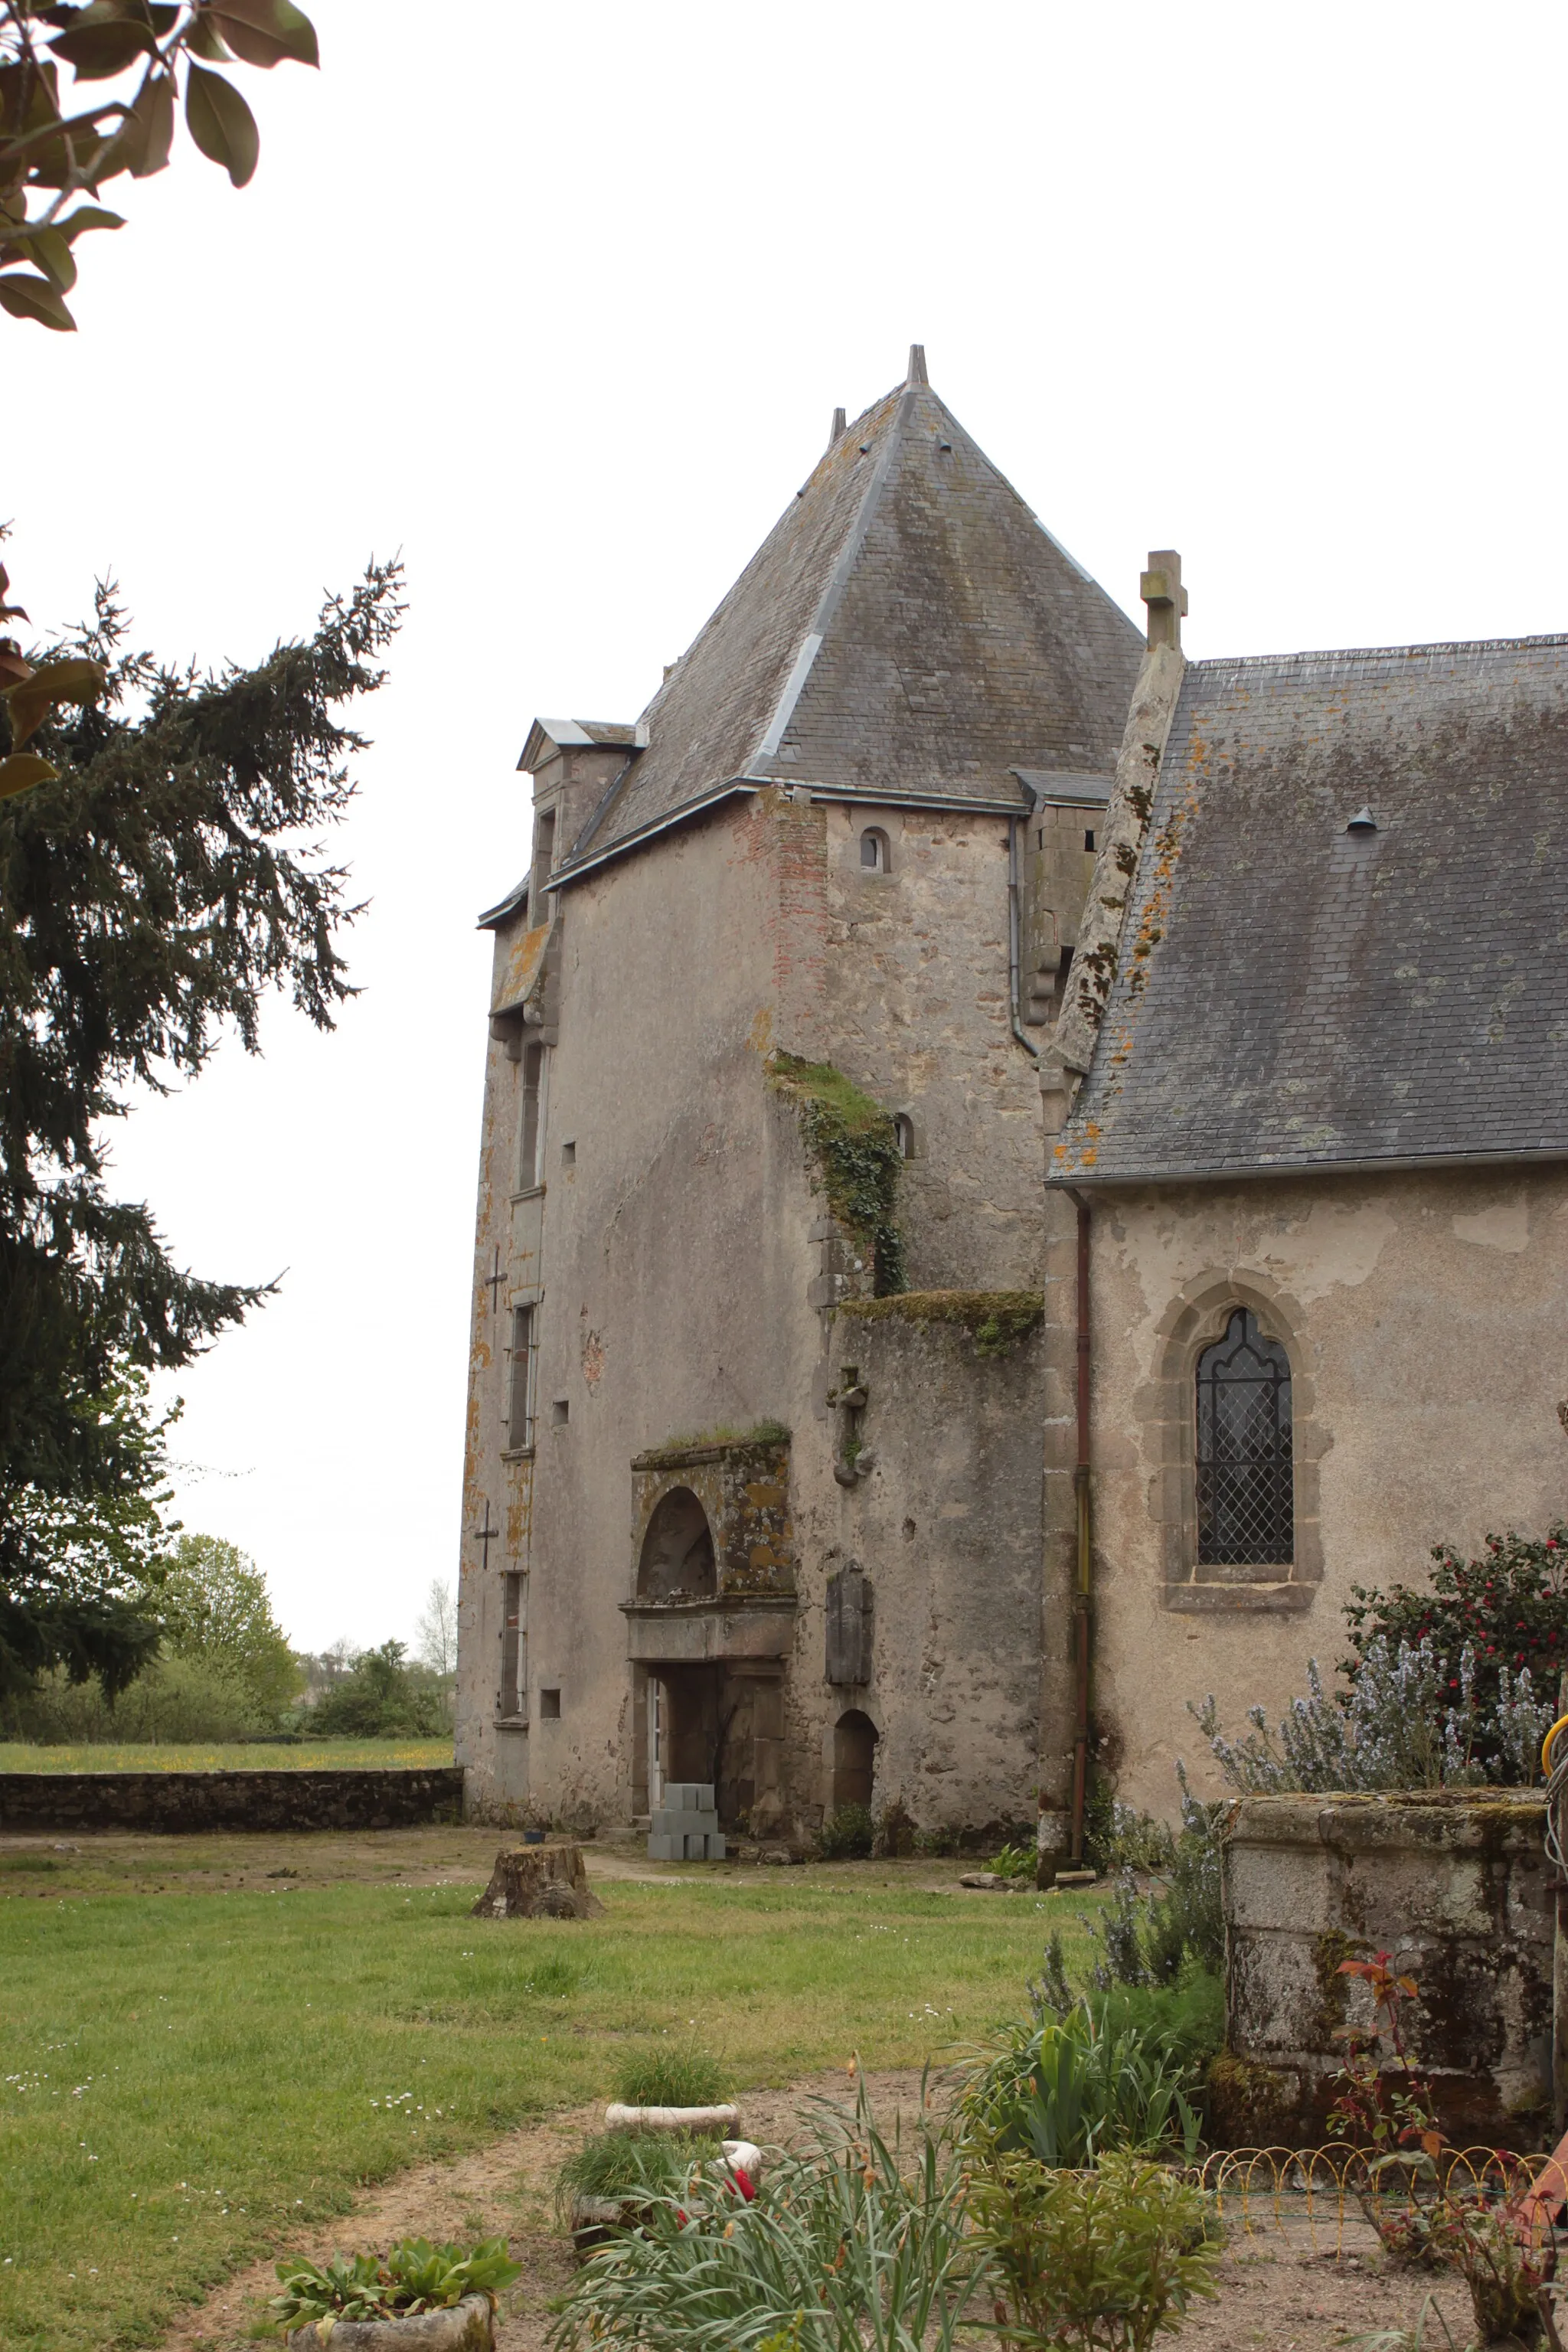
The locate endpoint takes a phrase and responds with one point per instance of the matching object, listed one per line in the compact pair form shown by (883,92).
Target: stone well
(1455,1885)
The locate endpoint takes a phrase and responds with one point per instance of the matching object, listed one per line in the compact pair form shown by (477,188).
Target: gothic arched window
(1245,1482)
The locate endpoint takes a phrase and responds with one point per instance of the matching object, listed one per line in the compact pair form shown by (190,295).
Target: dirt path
(506,2189)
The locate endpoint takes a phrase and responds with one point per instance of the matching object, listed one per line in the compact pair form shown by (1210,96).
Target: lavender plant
(1403,1720)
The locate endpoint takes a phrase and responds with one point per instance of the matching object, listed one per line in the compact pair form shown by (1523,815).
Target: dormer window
(874,857)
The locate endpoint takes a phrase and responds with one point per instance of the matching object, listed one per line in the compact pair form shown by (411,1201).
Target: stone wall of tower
(917,1009)
(685,1273)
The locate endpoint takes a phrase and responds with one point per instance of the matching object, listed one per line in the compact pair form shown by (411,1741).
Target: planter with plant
(416,2297)
(860,2243)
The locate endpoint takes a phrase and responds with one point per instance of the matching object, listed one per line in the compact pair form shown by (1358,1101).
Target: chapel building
(1015,1169)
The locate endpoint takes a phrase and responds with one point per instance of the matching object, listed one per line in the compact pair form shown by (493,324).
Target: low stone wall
(172,1803)
(1455,1887)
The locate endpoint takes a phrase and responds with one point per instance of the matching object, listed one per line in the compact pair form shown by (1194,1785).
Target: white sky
(559,301)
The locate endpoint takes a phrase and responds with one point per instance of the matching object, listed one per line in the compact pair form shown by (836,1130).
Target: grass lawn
(189,2076)
(235,1755)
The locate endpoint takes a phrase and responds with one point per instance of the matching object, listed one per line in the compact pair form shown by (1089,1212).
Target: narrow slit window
(1089,840)
(528,1132)
(874,857)
(543,861)
(1245,1482)
(512,1670)
(519,1386)
(904,1134)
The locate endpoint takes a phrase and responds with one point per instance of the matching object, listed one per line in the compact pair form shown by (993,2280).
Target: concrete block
(688,1797)
(684,1825)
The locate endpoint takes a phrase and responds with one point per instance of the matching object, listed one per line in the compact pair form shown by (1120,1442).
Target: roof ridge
(1438,646)
(832,595)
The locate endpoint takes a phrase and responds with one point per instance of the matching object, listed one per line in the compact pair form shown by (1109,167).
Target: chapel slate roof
(1290,995)
(907,628)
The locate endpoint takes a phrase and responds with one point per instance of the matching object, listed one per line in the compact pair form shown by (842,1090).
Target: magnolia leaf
(22,771)
(87,217)
(164,20)
(221,123)
(13,668)
(204,40)
(73,680)
(29,96)
(48,250)
(35,299)
(265,32)
(155,117)
(97,50)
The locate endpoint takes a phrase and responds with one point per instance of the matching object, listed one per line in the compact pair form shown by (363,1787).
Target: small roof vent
(1364,821)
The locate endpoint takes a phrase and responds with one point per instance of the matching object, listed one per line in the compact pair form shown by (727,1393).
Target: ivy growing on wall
(856,1148)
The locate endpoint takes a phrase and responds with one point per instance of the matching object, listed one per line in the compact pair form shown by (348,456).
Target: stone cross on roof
(1161,590)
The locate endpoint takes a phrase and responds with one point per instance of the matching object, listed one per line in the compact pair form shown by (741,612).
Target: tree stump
(539,1882)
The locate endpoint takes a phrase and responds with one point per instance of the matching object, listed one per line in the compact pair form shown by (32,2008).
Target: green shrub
(1157,1936)
(380,1697)
(1063,2091)
(413,2276)
(857,2245)
(1013,1860)
(628,2164)
(847,1836)
(1118,1837)
(670,2076)
(1100,2261)
(1509,1607)
(173,1699)
(1185,2019)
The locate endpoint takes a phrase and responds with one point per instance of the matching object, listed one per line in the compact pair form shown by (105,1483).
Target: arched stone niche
(1167,1410)
(855,1739)
(677,1562)
(740,1487)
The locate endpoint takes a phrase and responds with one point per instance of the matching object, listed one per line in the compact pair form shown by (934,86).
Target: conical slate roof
(907,629)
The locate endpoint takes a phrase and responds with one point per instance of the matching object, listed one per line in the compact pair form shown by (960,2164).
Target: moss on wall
(720,1438)
(996,1320)
(856,1147)
(1251,2105)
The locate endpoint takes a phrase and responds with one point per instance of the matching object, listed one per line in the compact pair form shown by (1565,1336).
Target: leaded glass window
(1246,1500)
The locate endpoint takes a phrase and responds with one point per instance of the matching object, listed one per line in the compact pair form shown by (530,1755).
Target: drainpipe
(1013,941)
(1083,1585)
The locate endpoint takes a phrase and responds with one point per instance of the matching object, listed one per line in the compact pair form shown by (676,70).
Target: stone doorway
(854,1759)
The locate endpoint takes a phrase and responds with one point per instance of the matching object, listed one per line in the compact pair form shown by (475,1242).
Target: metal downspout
(1013,940)
(1084,1583)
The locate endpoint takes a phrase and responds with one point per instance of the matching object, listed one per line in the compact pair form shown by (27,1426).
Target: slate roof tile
(907,627)
(1292,995)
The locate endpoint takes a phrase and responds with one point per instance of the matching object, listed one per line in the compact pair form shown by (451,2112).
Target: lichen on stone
(996,1320)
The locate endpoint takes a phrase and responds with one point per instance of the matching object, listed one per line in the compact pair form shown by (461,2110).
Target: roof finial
(917,373)
(840,426)
(1161,590)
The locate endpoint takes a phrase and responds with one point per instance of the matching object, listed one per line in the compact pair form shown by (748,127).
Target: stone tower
(753,1479)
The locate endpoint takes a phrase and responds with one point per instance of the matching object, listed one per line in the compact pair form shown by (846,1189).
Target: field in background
(236,1756)
(207,2042)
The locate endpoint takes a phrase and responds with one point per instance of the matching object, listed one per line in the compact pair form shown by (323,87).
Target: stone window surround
(1166,1407)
